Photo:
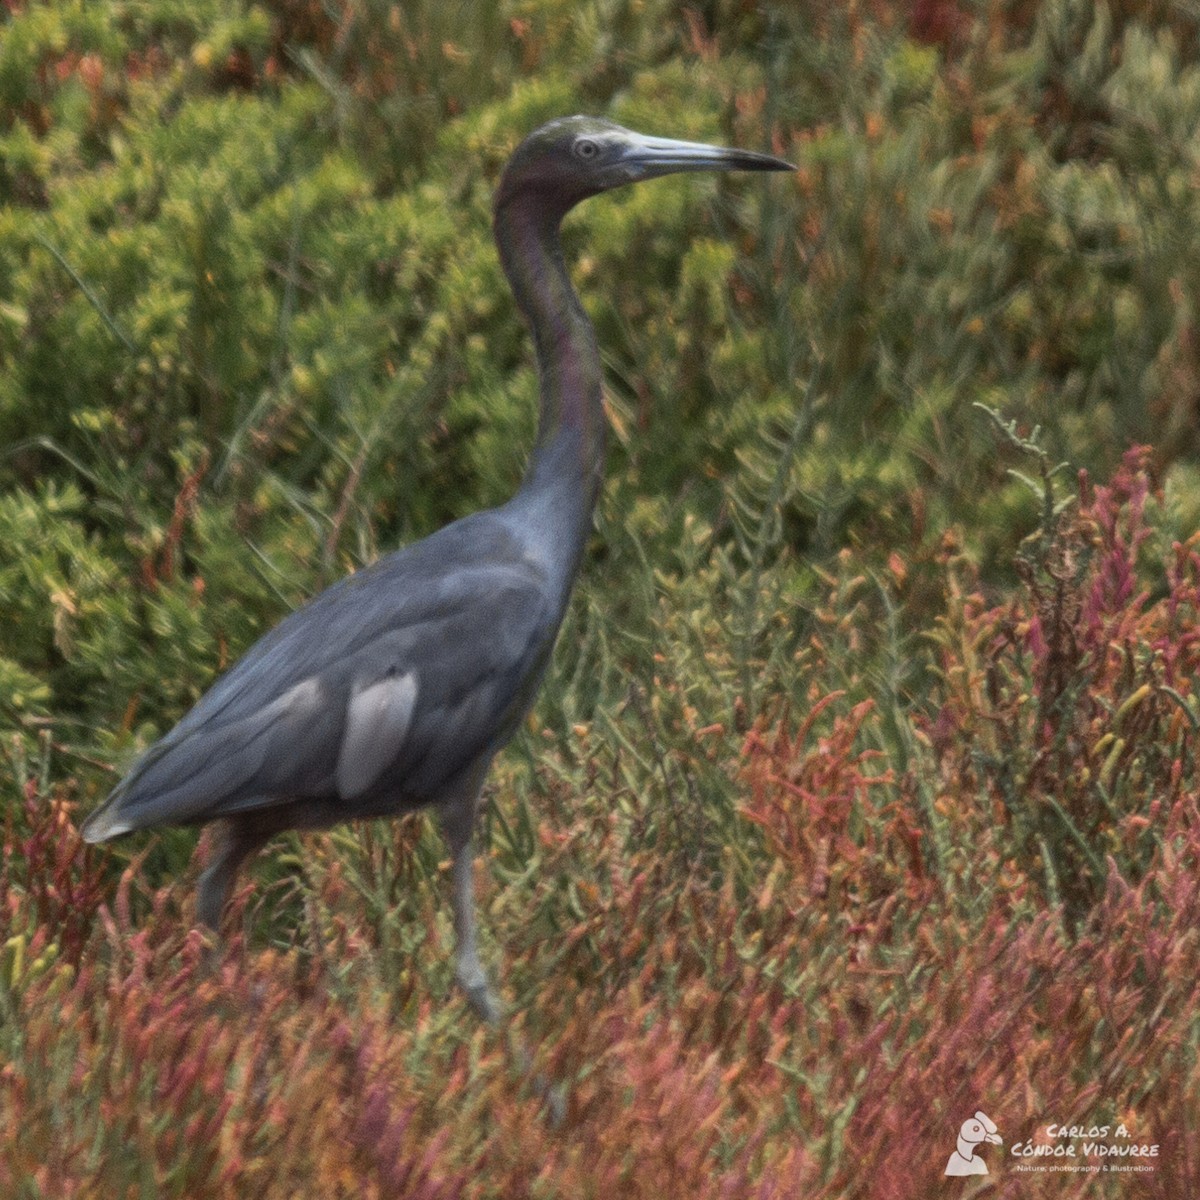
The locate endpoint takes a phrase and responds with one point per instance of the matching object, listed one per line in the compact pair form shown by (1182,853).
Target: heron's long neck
(568,456)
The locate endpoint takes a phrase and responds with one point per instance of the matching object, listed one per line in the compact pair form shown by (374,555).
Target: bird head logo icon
(975,1130)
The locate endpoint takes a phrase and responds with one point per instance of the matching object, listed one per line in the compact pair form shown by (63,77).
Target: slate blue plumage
(393,689)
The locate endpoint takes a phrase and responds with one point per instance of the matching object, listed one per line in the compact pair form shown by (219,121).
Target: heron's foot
(474,983)
(552,1095)
(485,1004)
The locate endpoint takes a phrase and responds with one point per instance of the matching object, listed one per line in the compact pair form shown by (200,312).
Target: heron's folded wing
(183,775)
(415,697)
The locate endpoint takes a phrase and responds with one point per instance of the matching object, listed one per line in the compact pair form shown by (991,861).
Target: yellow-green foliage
(863,790)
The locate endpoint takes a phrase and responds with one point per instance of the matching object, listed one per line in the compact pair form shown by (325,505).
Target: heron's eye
(586,149)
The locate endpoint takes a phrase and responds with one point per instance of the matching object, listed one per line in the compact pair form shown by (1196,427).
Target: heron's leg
(457,820)
(236,840)
(468,970)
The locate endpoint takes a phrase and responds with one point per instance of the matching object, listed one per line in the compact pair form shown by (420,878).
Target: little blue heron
(393,689)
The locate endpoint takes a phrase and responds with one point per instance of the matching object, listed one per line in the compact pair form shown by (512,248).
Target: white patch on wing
(298,700)
(377,718)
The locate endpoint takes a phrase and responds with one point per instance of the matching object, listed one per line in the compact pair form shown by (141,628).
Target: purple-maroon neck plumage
(569,450)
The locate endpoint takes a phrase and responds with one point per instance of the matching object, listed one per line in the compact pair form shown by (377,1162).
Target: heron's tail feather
(106,822)
(202,770)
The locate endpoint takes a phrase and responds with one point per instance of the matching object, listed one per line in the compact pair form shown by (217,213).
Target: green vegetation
(863,791)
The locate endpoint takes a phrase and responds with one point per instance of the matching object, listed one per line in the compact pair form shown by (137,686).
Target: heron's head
(571,158)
